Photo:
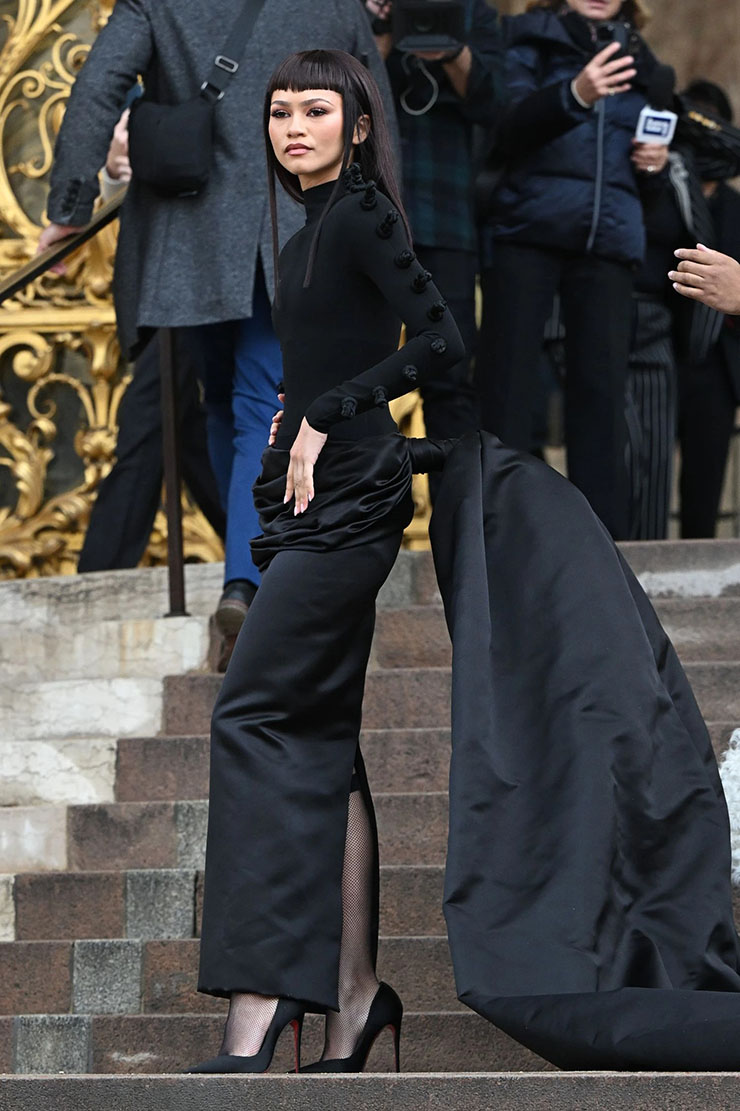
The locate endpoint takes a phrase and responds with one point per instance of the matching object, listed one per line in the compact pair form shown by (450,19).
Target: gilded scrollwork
(61,373)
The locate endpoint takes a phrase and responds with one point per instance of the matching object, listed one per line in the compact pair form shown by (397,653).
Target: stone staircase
(99,952)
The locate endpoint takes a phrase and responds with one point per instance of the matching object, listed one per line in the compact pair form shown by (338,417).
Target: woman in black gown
(291,890)
(587,889)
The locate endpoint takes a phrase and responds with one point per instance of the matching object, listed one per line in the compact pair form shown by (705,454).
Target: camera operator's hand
(382,10)
(604,75)
(649,158)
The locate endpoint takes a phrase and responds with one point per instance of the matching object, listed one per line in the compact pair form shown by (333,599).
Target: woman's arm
(381,250)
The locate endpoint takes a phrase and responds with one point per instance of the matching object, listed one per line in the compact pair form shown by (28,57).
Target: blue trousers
(242,368)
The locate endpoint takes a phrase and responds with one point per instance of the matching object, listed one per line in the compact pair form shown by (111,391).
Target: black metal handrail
(38,266)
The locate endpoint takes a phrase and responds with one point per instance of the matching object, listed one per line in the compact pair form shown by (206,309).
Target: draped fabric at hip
(587,894)
(363,492)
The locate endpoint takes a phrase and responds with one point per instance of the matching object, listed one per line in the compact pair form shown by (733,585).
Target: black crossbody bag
(171,145)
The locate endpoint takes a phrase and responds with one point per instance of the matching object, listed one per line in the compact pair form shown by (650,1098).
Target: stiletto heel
(297,1024)
(397,1044)
(386,1011)
(288,1013)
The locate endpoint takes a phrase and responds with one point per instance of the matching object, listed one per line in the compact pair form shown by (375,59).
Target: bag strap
(227,63)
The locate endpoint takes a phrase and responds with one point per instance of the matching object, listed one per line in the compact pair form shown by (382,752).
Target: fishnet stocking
(246,1025)
(357,980)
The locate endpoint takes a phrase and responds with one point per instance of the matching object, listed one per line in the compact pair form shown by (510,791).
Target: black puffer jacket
(569,181)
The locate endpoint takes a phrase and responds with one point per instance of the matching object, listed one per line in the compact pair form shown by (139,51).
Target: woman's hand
(303,455)
(649,158)
(602,77)
(117,163)
(277,420)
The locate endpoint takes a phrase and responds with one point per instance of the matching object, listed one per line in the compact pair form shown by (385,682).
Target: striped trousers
(651,419)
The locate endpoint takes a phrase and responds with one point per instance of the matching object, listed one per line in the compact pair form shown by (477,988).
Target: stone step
(412,829)
(159,977)
(166,904)
(118,1044)
(415,698)
(154,769)
(123,648)
(525,1091)
(419,698)
(701,629)
(160,768)
(686,568)
(34,838)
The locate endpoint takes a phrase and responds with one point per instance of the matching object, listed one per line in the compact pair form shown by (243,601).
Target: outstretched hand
(708,276)
(303,455)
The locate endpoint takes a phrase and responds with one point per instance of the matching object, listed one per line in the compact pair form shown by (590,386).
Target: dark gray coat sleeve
(121,52)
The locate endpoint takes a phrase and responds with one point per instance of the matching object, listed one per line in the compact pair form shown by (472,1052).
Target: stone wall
(700,38)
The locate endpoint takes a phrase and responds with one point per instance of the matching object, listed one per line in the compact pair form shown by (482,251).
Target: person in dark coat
(204,260)
(709,389)
(442,98)
(567,217)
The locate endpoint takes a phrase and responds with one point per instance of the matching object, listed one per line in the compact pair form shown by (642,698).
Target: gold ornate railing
(61,373)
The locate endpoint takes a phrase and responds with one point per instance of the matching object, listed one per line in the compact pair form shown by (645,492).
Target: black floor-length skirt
(287,721)
(587,892)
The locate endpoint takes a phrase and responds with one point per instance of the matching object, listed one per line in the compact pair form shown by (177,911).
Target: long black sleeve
(381,251)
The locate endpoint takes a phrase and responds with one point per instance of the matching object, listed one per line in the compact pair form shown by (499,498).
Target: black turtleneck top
(339,336)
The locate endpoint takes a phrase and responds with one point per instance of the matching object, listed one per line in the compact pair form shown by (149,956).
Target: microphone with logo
(657,123)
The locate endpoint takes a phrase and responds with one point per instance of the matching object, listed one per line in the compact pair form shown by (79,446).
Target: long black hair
(343,74)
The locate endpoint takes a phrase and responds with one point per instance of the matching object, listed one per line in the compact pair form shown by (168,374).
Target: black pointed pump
(288,1012)
(386,1011)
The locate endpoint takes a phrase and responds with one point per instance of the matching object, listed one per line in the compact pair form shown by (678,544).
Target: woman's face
(306,132)
(596,9)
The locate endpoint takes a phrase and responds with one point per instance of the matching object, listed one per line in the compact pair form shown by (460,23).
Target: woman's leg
(285,733)
(358,982)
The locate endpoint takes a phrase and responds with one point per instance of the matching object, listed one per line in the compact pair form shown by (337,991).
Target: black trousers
(596,299)
(284,744)
(707,406)
(123,515)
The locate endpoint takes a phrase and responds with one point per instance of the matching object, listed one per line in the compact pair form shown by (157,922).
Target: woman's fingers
(612,68)
(604,55)
(303,486)
(289,484)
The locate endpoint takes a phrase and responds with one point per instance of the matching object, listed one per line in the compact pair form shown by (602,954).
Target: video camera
(428,25)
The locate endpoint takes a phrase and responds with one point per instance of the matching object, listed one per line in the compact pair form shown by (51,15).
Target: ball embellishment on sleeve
(404,260)
(421,281)
(384,229)
(439,345)
(348,408)
(370,200)
(437,311)
(380,396)
(410,373)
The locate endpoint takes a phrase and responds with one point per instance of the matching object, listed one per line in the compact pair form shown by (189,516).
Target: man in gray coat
(203,260)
